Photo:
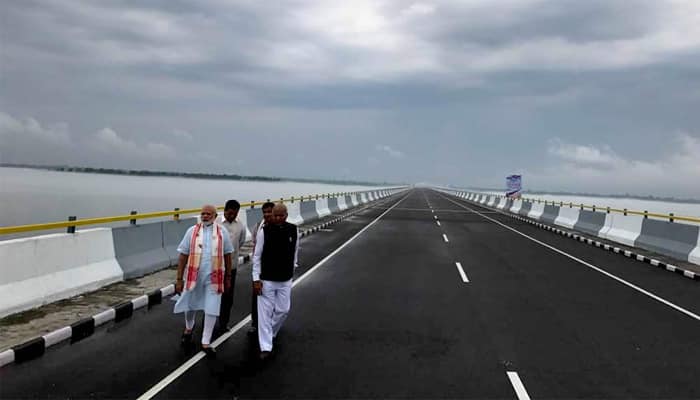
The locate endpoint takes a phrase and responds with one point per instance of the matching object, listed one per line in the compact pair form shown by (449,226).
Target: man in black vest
(274,261)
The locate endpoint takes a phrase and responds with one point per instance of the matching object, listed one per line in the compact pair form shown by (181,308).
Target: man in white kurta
(204,287)
(237,232)
(275,258)
(267,219)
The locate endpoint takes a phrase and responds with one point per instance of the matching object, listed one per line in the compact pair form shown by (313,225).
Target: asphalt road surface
(422,295)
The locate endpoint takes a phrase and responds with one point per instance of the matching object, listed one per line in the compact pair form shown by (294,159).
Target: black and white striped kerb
(604,246)
(82,329)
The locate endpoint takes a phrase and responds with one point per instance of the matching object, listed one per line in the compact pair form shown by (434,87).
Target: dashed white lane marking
(518,386)
(445,237)
(435,216)
(326,230)
(461,272)
(589,265)
(197,357)
(438,223)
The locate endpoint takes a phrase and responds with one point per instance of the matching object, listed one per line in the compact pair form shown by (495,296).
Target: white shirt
(237,233)
(257,255)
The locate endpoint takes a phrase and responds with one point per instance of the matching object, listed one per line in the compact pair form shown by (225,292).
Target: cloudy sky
(596,95)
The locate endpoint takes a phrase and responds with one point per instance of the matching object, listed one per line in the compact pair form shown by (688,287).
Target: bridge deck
(390,315)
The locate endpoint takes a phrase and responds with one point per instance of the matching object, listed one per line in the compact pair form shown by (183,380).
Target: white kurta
(203,296)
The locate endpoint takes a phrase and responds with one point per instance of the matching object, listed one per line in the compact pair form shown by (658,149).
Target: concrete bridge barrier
(536,211)
(668,238)
(525,208)
(517,205)
(308,211)
(590,222)
(294,213)
(139,249)
(567,217)
(549,214)
(43,269)
(173,232)
(322,207)
(333,205)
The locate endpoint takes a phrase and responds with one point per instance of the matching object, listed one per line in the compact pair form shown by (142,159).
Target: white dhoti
(273,306)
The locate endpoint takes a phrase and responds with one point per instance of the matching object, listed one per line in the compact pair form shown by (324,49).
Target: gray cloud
(468,91)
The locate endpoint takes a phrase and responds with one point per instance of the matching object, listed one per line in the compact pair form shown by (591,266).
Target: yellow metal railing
(5,230)
(646,214)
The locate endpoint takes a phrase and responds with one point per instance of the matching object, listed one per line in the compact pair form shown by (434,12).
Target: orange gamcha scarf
(195,258)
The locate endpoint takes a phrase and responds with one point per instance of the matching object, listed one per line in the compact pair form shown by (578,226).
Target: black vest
(277,261)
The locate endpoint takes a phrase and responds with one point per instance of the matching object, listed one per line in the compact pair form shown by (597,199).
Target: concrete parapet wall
(42,269)
(322,207)
(294,213)
(567,217)
(590,222)
(139,249)
(517,204)
(525,208)
(536,211)
(333,205)
(668,238)
(173,232)
(549,214)
(308,210)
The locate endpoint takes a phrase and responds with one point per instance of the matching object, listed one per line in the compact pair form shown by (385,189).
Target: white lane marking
(445,237)
(518,386)
(438,223)
(435,216)
(606,273)
(197,357)
(462,273)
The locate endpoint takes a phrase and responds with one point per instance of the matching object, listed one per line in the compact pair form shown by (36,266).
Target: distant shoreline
(613,196)
(195,175)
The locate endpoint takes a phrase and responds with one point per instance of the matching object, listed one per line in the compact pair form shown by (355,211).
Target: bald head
(208,214)
(279,213)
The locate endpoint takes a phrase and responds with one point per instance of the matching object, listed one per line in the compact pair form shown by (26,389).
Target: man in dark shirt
(274,261)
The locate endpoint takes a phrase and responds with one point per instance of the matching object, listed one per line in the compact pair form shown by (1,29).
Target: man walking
(237,232)
(267,219)
(205,264)
(274,261)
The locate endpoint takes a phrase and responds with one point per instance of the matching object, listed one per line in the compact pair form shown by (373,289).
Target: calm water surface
(29,196)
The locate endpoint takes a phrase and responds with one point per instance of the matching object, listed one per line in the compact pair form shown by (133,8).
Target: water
(29,196)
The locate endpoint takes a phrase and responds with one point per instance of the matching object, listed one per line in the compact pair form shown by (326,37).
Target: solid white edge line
(445,237)
(462,273)
(608,274)
(200,355)
(518,385)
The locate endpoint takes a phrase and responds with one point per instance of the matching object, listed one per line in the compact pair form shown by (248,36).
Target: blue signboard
(514,183)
